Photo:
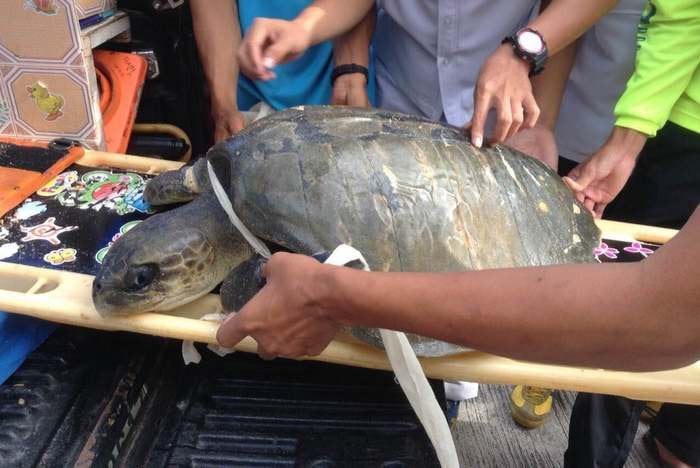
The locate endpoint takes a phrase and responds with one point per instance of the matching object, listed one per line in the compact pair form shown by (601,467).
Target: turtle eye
(141,276)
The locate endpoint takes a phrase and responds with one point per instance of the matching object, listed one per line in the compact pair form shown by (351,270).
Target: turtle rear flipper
(177,186)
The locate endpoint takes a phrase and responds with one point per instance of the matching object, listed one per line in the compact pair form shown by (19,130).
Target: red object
(120,77)
(16,185)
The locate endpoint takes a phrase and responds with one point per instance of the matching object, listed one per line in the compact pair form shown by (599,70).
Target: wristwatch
(530,46)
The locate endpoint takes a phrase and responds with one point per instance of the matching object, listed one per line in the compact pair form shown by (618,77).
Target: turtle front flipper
(177,186)
(242,283)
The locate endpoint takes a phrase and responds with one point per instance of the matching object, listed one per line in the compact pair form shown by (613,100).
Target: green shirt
(666,82)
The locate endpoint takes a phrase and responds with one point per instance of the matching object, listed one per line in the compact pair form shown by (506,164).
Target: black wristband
(348,69)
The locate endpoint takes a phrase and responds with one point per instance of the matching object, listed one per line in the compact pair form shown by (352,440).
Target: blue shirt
(306,80)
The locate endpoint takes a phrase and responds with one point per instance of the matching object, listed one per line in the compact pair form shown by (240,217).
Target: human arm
(548,88)
(667,59)
(218,34)
(270,41)
(600,178)
(353,47)
(616,316)
(503,83)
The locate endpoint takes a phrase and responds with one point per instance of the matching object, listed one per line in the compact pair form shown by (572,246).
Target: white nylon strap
(401,356)
(189,352)
(225,203)
(410,375)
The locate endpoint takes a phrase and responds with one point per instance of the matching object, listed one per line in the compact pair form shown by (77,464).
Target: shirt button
(446,21)
(443,61)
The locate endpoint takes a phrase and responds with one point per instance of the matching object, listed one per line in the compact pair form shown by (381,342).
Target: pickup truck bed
(90,398)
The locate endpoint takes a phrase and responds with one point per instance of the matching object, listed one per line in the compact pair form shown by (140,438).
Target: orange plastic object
(120,78)
(16,185)
(105,90)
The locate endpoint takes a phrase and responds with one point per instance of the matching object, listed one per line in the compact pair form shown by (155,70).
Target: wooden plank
(104,159)
(617,230)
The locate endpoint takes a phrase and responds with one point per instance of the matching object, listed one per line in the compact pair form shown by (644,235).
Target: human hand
(227,122)
(503,85)
(350,90)
(268,43)
(538,142)
(285,317)
(600,178)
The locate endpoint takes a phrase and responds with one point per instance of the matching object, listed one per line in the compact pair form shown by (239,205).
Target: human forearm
(353,48)
(562,314)
(326,19)
(667,59)
(270,42)
(601,177)
(217,32)
(563,21)
(626,141)
(503,83)
(640,316)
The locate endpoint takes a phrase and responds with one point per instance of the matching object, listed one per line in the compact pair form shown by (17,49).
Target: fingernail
(268,62)
(478,140)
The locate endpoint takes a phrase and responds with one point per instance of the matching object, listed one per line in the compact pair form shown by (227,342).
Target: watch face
(530,42)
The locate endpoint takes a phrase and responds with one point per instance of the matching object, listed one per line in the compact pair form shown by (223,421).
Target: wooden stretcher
(64,297)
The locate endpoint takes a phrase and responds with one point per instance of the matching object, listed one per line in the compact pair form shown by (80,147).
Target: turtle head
(181,185)
(168,260)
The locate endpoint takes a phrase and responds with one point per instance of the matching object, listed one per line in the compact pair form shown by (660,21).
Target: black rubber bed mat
(90,398)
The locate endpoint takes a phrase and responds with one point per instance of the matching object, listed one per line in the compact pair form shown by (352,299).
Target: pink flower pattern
(606,250)
(636,247)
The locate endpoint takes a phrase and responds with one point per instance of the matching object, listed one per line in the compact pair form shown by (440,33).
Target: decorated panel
(73,220)
(45,88)
(86,8)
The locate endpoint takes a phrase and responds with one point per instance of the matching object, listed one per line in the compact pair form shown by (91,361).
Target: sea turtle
(410,194)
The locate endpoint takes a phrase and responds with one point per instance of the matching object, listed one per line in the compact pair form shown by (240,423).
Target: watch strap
(347,69)
(536,61)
